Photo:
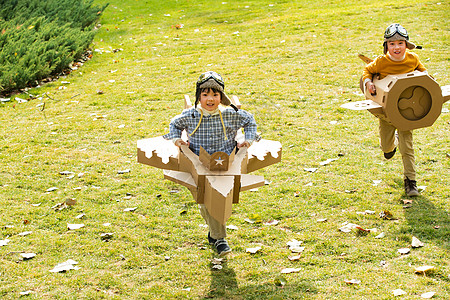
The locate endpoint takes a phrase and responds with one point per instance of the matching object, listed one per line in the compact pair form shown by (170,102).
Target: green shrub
(39,39)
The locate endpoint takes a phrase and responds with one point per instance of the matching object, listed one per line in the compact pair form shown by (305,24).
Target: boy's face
(209,99)
(396,49)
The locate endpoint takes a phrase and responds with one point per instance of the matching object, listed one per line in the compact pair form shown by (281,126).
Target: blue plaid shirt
(209,134)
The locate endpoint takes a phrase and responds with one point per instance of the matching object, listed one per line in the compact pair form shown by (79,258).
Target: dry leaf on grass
(398,292)
(290,270)
(380,236)
(232,227)
(387,215)
(404,250)
(65,266)
(26,256)
(415,243)
(71,201)
(253,218)
(423,269)
(312,170)
(280,281)
(294,258)
(253,250)
(130,209)
(352,281)
(51,189)
(428,295)
(4,242)
(271,222)
(326,162)
(25,233)
(74,226)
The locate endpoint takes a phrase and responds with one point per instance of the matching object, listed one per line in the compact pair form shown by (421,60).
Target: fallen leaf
(326,162)
(106,236)
(51,189)
(312,170)
(217,267)
(216,261)
(36,204)
(254,218)
(253,250)
(4,242)
(280,281)
(423,269)
(415,243)
(71,201)
(404,250)
(294,258)
(428,295)
(297,249)
(376,182)
(347,227)
(27,255)
(322,220)
(290,270)
(232,227)
(294,243)
(80,216)
(130,209)
(25,233)
(398,292)
(380,236)
(74,226)
(387,215)
(65,266)
(271,223)
(352,281)
(24,293)
(123,171)
(406,201)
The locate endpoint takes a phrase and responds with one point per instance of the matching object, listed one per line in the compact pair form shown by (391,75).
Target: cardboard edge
(156,161)
(249,182)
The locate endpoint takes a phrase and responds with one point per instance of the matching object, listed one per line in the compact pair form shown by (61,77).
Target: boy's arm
(176,127)
(369,71)
(250,127)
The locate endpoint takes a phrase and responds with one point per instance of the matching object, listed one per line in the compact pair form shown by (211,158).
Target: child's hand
(180,142)
(371,88)
(244,144)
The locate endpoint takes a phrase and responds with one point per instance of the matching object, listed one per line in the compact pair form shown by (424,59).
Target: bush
(40,39)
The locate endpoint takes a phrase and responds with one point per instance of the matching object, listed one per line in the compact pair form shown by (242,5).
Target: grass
(292,63)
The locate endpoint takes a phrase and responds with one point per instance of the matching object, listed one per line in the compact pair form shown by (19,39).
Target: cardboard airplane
(408,101)
(214,180)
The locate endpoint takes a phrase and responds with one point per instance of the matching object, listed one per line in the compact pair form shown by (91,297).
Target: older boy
(396,60)
(213,126)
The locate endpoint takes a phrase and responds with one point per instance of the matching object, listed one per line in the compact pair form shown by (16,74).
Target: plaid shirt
(209,134)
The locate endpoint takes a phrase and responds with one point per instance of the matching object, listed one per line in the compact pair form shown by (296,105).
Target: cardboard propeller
(214,180)
(408,101)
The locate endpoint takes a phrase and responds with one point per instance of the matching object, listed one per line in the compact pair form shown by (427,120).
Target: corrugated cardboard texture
(409,101)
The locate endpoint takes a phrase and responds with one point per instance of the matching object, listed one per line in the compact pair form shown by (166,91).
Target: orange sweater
(384,66)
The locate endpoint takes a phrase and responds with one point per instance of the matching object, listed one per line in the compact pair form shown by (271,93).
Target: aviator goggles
(395,28)
(210,75)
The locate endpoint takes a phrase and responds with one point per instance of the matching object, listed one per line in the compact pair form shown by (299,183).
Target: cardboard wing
(262,154)
(158,152)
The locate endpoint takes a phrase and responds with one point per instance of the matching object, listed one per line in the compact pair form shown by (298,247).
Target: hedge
(39,39)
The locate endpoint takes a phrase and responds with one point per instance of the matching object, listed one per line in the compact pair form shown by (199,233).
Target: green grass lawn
(292,64)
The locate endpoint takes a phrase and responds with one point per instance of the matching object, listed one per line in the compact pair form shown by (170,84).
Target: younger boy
(396,60)
(213,126)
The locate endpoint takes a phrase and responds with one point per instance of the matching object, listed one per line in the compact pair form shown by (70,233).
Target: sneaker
(389,155)
(222,247)
(211,241)
(411,188)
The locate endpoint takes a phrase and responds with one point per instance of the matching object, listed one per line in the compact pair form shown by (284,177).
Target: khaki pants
(388,142)
(216,230)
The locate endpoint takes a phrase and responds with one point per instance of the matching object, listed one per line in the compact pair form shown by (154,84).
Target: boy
(396,60)
(213,126)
